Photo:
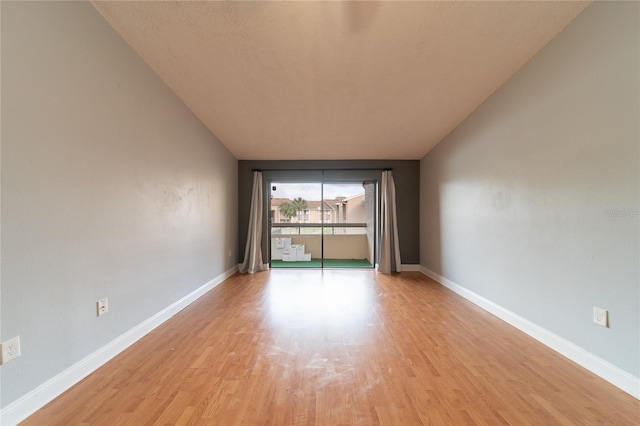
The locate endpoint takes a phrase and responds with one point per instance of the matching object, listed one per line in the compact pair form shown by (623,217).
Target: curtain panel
(253,250)
(389,260)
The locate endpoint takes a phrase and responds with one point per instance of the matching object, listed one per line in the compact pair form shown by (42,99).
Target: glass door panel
(349,220)
(295,229)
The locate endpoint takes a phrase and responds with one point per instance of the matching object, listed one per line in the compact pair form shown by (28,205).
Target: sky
(311,191)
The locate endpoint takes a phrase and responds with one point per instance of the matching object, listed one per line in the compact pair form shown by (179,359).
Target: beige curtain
(253,250)
(389,260)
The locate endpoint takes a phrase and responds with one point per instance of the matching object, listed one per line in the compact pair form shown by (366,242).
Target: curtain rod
(384,169)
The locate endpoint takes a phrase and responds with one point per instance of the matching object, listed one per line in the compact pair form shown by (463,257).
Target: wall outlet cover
(601,316)
(102,306)
(10,350)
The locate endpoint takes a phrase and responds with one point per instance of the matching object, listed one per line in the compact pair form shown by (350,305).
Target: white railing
(318,228)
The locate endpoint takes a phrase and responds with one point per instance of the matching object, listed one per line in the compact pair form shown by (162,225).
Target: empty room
(319,213)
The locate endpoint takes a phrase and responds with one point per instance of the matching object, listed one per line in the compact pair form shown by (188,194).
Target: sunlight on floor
(299,299)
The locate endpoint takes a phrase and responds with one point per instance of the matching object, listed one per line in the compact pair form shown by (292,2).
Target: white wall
(532,202)
(110,188)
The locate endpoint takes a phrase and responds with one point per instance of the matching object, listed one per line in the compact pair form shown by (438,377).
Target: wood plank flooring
(309,347)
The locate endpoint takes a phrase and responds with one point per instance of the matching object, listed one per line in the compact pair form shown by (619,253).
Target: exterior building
(316,212)
(338,210)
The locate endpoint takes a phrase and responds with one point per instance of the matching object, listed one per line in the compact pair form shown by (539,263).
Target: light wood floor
(338,347)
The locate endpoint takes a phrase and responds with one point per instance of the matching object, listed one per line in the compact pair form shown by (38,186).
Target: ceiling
(335,80)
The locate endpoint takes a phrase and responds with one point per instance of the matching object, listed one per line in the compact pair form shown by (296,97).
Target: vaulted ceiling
(335,80)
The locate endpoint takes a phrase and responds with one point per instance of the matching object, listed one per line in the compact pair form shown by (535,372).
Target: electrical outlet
(102,306)
(10,350)
(601,316)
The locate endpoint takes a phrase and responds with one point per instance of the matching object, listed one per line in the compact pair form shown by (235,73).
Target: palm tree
(288,210)
(299,204)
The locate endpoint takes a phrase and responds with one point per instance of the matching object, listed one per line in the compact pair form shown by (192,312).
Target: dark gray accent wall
(405,172)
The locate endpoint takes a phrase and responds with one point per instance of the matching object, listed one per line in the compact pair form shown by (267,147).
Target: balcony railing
(328,241)
(318,228)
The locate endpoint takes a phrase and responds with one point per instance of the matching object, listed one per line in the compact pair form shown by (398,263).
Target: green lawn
(328,263)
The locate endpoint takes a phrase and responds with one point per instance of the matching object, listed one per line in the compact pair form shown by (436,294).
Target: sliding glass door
(322,225)
(295,225)
(346,243)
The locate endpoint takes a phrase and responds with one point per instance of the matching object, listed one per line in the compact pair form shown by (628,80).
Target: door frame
(267,221)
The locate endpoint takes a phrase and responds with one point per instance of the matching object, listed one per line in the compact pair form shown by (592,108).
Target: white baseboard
(609,372)
(28,404)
